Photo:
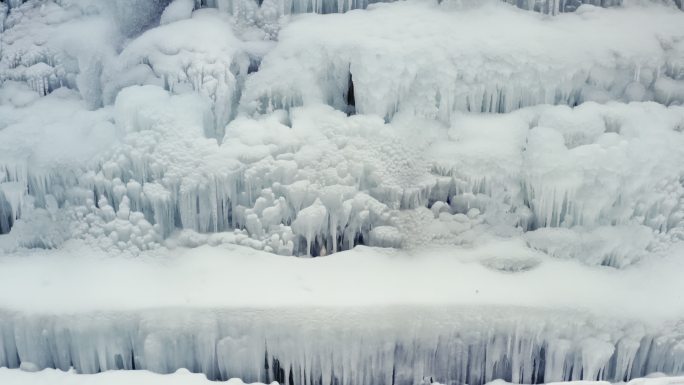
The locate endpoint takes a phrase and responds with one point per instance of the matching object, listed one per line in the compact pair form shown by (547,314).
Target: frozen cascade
(487,156)
(464,74)
(53,55)
(4,9)
(364,183)
(556,6)
(205,57)
(399,346)
(282,7)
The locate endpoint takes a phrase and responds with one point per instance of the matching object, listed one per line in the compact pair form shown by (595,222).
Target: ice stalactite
(7,217)
(13,3)
(4,9)
(38,77)
(324,6)
(319,70)
(13,189)
(287,7)
(310,223)
(553,7)
(322,117)
(194,60)
(43,47)
(369,186)
(444,346)
(135,16)
(351,98)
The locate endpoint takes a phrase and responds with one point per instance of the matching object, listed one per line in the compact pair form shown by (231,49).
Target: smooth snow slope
(78,280)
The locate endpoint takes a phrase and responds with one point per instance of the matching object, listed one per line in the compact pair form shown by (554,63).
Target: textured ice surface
(317,181)
(348,346)
(433,60)
(497,193)
(234,132)
(363,316)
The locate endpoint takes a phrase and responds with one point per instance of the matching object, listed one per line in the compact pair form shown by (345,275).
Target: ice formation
(274,346)
(307,128)
(361,316)
(232,133)
(26,376)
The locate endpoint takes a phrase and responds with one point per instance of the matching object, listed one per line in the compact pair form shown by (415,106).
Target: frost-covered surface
(311,180)
(497,193)
(317,181)
(433,60)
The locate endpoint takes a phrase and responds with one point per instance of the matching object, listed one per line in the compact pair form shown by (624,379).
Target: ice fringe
(248,181)
(466,74)
(552,7)
(360,183)
(373,346)
(43,59)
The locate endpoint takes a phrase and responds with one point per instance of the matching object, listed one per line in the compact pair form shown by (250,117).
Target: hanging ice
(275,347)
(342,319)
(497,193)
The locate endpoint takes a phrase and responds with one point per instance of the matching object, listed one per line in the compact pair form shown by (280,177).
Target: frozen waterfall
(216,146)
(342,192)
(349,346)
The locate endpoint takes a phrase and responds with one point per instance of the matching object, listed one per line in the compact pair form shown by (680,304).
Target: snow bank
(357,317)
(180,377)
(454,276)
(16,377)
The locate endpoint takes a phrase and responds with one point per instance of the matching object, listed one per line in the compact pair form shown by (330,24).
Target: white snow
(56,377)
(584,169)
(183,377)
(199,53)
(221,310)
(36,281)
(431,60)
(177,10)
(490,193)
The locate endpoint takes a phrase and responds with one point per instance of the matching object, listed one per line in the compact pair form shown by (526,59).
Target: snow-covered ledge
(365,316)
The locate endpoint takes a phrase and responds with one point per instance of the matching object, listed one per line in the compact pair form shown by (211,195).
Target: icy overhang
(359,317)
